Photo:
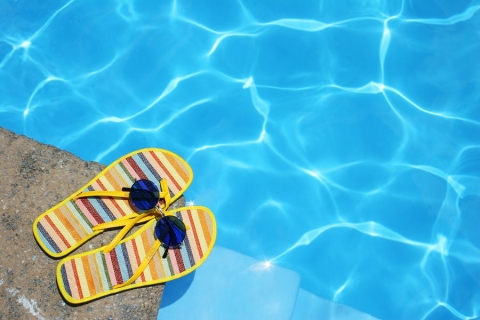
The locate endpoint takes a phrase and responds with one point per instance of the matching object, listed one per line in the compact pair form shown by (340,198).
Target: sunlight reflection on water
(340,143)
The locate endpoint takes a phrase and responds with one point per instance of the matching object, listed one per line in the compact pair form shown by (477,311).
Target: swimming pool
(337,139)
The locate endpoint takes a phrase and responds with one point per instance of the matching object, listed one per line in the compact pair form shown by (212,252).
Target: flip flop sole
(92,275)
(68,225)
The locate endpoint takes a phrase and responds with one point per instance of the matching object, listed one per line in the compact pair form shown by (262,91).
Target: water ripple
(341,144)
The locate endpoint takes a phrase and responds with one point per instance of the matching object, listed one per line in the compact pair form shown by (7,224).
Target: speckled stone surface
(35,177)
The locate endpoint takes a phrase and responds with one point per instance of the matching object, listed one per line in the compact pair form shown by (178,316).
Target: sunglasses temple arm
(115,194)
(153,250)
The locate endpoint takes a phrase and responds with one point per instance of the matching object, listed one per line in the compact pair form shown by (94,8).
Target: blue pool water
(337,139)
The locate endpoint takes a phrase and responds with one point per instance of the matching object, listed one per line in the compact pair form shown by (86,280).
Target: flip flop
(80,217)
(137,261)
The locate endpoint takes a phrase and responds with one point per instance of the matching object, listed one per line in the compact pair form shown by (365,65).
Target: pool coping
(36,176)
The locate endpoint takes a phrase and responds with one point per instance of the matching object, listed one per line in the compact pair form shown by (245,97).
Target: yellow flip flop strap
(120,222)
(115,194)
(128,224)
(165,194)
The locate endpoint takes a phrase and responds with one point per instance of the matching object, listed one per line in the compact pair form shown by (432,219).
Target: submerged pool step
(310,306)
(230,285)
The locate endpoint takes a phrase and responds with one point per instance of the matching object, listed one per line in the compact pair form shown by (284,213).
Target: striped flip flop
(71,223)
(137,261)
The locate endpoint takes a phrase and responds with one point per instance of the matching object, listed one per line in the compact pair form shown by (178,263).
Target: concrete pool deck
(35,177)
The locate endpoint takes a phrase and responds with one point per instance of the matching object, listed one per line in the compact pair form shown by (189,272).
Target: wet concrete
(35,177)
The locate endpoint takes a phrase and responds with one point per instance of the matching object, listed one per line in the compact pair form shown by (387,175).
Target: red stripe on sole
(59,234)
(178,257)
(96,216)
(170,177)
(77,280)
(116,267)
(195,235)
(136,168)
(137,257)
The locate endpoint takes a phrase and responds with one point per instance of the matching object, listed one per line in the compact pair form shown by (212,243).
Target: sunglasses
(171,232)
(143,195)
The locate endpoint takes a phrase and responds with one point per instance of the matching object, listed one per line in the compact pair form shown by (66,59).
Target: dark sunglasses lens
(171,231)
(144,194)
